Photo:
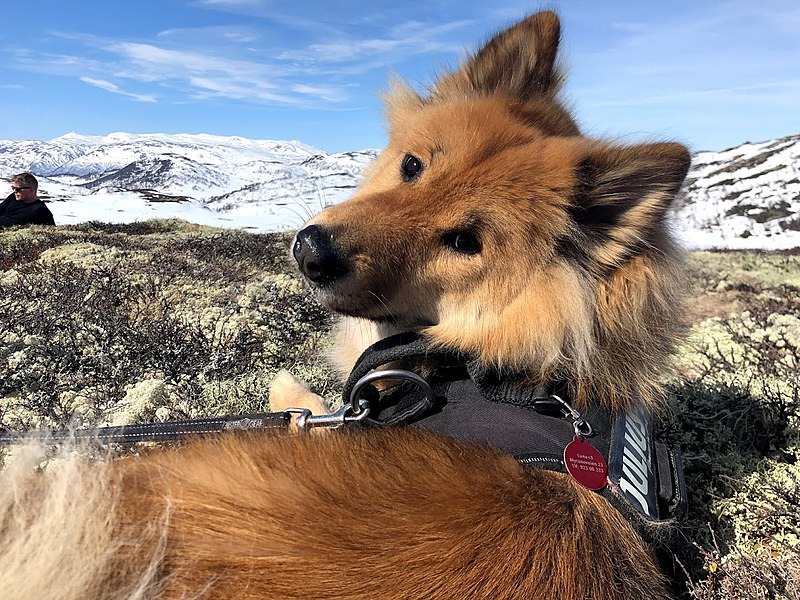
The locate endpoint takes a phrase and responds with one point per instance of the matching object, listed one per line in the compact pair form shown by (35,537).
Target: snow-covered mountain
(260,185)
(743,197)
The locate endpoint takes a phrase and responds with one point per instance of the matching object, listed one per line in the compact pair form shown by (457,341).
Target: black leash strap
(151,432)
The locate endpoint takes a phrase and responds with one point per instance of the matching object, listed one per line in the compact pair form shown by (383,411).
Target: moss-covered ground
(164,320)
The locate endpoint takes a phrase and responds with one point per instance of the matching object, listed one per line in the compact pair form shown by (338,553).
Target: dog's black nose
(317,255)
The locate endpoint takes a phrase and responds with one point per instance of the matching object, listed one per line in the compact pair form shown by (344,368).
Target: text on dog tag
(585,463)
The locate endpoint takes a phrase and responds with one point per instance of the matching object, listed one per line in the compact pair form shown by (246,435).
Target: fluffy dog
(493,228)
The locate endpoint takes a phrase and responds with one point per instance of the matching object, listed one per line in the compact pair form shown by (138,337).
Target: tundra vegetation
(161,320)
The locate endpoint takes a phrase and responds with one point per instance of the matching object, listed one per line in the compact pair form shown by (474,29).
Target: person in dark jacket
(23,206)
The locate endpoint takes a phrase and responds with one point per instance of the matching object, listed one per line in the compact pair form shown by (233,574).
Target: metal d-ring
(388,374)
(583,428)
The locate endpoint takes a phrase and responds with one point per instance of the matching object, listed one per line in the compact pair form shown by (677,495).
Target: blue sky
(710,73)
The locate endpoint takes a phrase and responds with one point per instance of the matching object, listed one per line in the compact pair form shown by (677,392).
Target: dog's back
(382,514)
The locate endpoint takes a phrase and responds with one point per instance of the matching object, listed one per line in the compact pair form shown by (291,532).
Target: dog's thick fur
(564,270)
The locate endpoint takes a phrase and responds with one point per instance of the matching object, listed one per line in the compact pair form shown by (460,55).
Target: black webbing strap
(402,346)
(151,432)
(408,347)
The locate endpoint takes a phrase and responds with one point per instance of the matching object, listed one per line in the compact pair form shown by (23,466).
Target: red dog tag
(585,463)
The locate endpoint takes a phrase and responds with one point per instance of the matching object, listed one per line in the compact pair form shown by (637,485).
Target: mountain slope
(742,197)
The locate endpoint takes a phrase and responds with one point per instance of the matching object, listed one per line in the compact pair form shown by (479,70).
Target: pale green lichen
(734,269)
(83,253)
(767,521)
(140,403)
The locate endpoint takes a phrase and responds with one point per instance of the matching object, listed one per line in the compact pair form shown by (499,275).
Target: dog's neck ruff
(645,478)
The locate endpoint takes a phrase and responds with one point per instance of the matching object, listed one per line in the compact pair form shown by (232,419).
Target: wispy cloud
(115,89)
(708,51)
(407,39)
(706,74)
(237,90)
(775,88)
(161,62)
(210,76)
(318,66)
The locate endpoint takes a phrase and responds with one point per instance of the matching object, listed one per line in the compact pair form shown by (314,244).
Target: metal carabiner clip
(581,426)
(357,409)
(342,416)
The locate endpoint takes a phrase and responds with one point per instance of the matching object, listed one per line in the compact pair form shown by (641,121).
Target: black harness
(461,400)
(645,478)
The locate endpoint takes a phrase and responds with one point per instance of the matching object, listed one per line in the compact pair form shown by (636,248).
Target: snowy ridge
(261,185)
(742,197)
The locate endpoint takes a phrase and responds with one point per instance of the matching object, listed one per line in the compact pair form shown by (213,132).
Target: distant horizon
(743,198)
(302,142)
(711,75)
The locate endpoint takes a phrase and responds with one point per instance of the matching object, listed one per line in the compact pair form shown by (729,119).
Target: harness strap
(408,346)
(645,478)
(151,432)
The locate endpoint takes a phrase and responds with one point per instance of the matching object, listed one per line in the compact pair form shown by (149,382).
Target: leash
(354,411)
(151,432)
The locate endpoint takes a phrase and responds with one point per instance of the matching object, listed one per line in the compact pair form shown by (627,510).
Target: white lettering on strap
(635,479)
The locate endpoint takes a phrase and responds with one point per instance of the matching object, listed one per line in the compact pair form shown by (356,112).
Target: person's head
(25,187)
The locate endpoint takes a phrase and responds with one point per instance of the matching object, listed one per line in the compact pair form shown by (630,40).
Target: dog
(491,228)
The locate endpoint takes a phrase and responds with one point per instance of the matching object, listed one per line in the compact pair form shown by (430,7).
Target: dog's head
(493,226)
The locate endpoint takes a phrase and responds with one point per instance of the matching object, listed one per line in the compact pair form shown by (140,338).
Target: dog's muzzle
(318,257)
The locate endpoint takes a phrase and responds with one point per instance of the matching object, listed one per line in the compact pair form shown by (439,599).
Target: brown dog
(492,227)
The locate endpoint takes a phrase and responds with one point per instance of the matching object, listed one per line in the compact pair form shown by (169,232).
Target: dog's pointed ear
(399,98)
(520,61)
(622,195)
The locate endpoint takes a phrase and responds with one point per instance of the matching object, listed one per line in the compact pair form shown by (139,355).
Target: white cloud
(407,39)
(237,90)
(326,93)
(269,56)
(792,87)
(115,89)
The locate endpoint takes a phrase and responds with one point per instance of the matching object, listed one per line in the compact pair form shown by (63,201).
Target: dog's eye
(463,242)
(411,167)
